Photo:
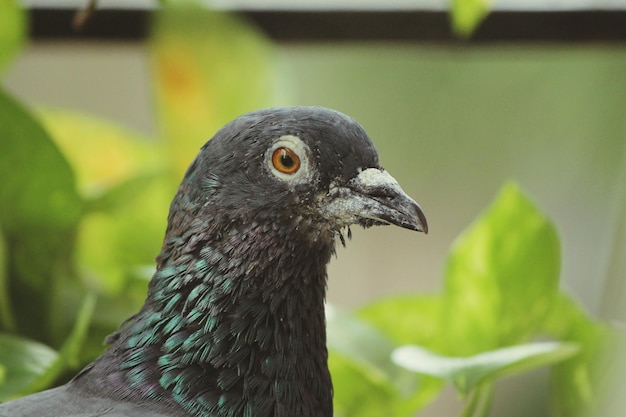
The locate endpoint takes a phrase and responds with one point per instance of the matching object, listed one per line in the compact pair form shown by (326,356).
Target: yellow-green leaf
(12,30)
(468,14)
(407,319)
(501,277)
(102,154)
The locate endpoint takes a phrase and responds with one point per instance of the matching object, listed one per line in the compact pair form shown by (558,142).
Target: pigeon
(233,324)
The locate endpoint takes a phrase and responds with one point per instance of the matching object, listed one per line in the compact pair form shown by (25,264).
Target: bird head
(234,317)
(307,165)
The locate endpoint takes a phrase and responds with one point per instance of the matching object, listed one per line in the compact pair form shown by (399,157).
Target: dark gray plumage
(233,324)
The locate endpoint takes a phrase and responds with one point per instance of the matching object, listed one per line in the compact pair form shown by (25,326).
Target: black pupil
(286,160)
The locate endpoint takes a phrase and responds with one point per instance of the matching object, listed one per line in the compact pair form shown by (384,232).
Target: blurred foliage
(28,359)
(83,206)
(80,207)
(207,68)
(12,30)
(39,216)
(466,15)
(500,295)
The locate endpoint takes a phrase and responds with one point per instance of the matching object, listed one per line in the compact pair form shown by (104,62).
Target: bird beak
(375,197)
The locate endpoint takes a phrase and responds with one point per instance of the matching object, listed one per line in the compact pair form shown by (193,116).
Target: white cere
(374,177)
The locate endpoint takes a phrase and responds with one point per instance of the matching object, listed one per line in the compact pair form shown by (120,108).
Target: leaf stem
(479,401)
(485,394)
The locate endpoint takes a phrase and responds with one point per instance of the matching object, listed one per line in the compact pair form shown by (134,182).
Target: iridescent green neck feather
(234,322)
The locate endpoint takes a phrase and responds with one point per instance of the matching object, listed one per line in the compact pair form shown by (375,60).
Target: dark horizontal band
(302,26)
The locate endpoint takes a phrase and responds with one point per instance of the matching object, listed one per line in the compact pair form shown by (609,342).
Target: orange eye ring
(285,160)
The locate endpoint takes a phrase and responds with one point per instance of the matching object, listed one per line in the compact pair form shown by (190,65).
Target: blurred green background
(452,124)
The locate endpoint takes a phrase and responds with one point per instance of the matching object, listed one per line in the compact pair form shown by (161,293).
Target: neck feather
(233,324)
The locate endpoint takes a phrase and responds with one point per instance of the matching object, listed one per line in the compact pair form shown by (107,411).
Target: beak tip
(425,227)
(421,222)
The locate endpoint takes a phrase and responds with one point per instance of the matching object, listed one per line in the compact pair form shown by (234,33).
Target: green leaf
(24,361)
(468,372)
(576,384)
(468,14)
(39,212)
(12,30)
(68,356)
(407,319)
(501,277)
(358,392)
(121,194)
(361,363)
(209,68)
(360,342)
(37,182)
(114,244)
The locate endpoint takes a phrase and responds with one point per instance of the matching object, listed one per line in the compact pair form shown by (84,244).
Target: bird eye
(288,160)
(285,160)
